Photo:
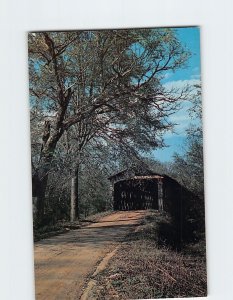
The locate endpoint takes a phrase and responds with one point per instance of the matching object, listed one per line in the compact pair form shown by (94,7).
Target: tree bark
(40,189)
(40,178)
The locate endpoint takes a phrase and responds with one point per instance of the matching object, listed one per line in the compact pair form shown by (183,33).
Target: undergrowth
(148,265)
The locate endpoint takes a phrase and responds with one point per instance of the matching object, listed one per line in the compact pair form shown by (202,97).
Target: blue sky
(190,38)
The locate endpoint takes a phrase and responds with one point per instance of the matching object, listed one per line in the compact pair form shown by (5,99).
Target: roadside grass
(65,226)
(148,266)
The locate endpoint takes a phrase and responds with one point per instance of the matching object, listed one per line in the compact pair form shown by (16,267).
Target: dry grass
(143,270)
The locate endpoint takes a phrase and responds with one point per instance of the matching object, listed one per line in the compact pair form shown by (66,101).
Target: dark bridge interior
(133,194)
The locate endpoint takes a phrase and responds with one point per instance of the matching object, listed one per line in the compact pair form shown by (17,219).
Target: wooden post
(111,188)
(74,199)
(160,195)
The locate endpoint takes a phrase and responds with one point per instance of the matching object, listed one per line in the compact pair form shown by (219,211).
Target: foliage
(188,169)
(96,89)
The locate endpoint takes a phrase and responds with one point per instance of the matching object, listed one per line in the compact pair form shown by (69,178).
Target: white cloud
(179,118)
(167,75)
(180,84)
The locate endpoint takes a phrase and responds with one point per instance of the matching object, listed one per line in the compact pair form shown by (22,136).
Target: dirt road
(63,263)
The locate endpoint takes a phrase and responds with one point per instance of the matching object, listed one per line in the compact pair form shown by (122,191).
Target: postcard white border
(19,17)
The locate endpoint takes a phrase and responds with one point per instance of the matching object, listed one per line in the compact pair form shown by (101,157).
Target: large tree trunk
(40,178)
(74,201)
(39,182)
(39,187)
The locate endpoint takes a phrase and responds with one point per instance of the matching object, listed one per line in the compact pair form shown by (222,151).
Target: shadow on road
(91,236)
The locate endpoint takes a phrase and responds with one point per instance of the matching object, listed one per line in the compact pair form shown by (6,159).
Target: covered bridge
(137,189)
(140,188)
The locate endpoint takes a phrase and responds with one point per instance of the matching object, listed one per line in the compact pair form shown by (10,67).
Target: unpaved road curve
(62,263)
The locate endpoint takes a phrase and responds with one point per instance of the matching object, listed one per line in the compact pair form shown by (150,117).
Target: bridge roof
(136,173)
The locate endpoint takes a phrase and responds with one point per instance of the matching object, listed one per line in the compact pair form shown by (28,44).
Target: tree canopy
(91,88)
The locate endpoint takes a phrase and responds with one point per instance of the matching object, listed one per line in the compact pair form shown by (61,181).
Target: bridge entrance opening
(136,194)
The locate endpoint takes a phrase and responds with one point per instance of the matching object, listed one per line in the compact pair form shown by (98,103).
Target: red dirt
(63,263)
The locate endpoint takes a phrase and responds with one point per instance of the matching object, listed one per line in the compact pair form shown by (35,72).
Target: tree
(189,168)
(100,84)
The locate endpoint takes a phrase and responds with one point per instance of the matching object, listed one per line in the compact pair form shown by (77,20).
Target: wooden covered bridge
(140,188)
